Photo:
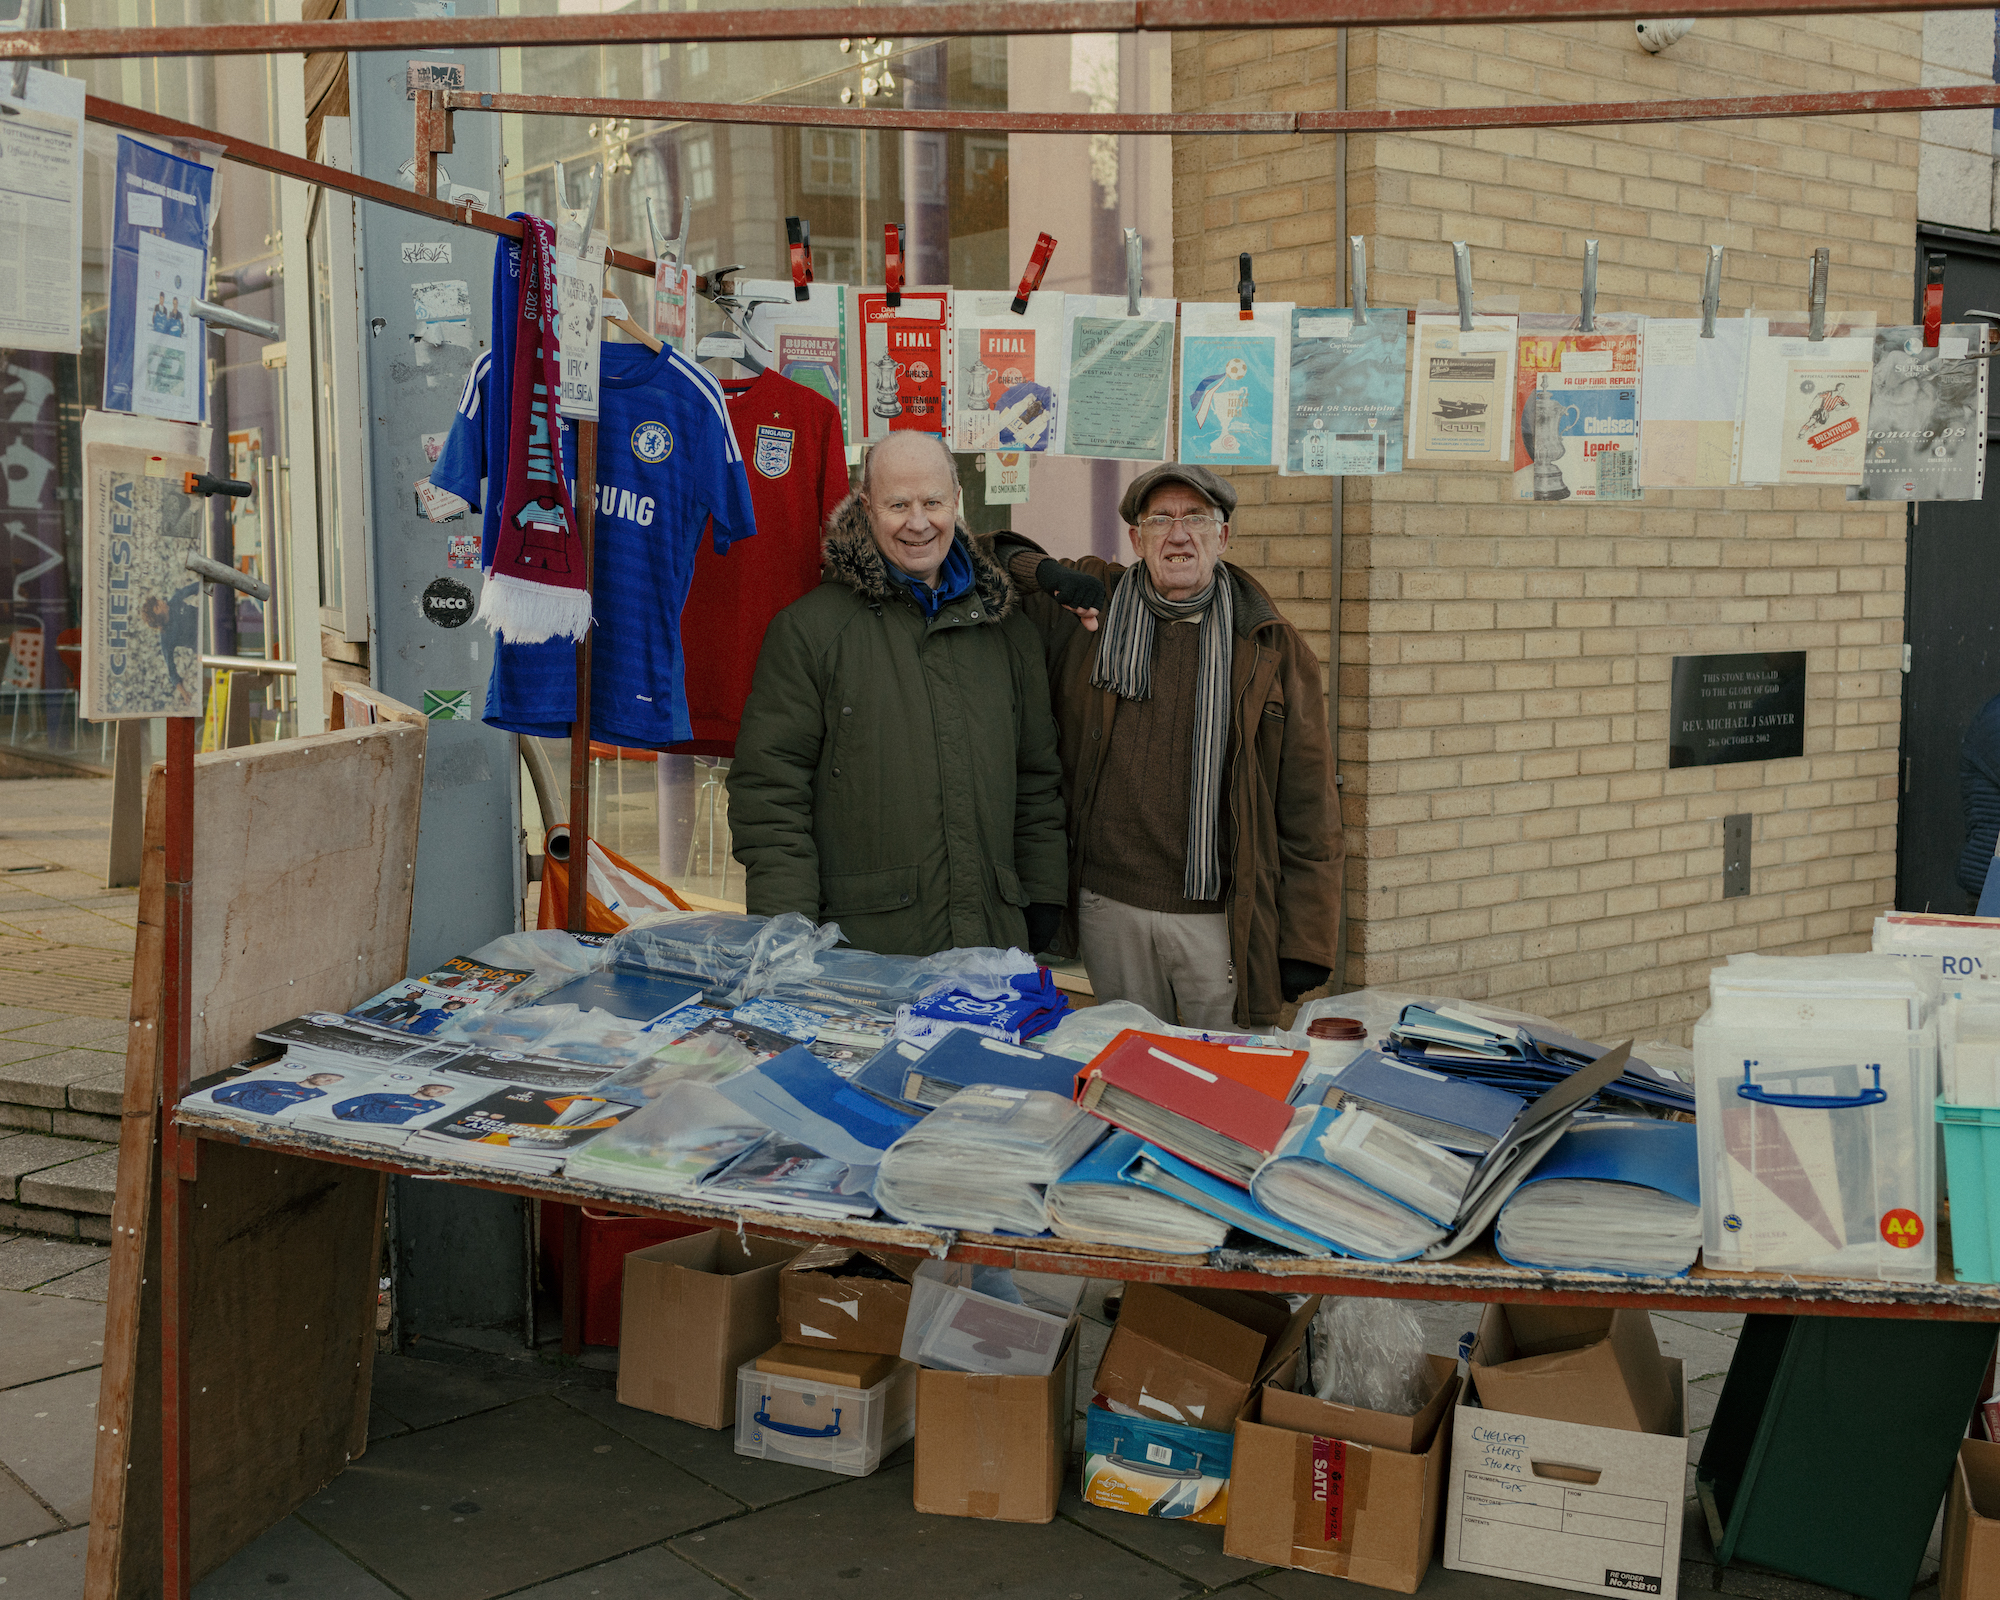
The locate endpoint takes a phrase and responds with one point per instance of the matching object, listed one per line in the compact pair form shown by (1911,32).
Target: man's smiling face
(912,499)
(1181,557)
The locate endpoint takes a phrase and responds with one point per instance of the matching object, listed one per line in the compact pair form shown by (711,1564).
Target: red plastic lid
(1336,1028)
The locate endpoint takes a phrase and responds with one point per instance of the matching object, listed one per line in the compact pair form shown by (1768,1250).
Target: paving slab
(12,1017)
(24,1119)
(26,1262)
(1706,1352)
(422,1394)
(291,1559)
(862,1539)
(22,1516)
(1191,1549)
(93,1283)
(42,1336)
(709,1455)
(651,1574)
(84,1125)
(87,1185)
(48,1569)
(89,1033)
(48,1439)
(45,1080)
(491,1503)
(33,1219)
(13,1048)
(103,1097)
(28,1153)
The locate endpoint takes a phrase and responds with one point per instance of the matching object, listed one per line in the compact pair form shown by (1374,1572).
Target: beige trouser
(1176,966)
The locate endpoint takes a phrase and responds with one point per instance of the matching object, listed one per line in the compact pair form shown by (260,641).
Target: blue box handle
(1814,1102)
(764,1421)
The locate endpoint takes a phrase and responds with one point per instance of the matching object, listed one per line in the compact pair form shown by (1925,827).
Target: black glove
(1077,590)
(1296,977)
(1044,921)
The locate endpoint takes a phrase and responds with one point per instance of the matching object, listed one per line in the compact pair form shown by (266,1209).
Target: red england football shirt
(797,467)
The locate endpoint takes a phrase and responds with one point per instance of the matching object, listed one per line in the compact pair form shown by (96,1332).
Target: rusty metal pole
(177,1160)
(579,842)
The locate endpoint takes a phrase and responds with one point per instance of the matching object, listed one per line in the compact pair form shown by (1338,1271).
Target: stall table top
(1476,1274)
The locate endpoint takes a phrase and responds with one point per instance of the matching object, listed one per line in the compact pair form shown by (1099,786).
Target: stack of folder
(983,1159)
(1521,1059)
(1614,1195)
(922,1080)
(1222,1107)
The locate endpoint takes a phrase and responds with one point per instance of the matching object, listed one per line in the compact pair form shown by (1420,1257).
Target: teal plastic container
(1972,1178)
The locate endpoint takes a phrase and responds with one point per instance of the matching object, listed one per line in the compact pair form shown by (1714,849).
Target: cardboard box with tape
(1338,1490)
(994,1445)
(1195,1356)
(695,1310)
(834,1298)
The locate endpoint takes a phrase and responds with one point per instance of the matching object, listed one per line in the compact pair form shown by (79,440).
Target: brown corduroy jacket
(1282,821)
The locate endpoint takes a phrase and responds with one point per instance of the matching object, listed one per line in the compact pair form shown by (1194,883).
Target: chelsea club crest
(652,443)
(773,454)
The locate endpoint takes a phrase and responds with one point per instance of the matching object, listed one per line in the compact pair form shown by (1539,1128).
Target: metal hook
(1816,294)
(1461,266)
(1590,286)
(1711,291)
(1357,278)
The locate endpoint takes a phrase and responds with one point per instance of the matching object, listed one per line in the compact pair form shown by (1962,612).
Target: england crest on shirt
(773,454)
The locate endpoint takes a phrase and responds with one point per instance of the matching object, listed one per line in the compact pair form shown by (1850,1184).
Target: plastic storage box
(1816,1146)
(986,1319)
(811,1423)
(1972,1175)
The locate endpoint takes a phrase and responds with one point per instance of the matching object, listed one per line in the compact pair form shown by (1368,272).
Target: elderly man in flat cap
(1205,844)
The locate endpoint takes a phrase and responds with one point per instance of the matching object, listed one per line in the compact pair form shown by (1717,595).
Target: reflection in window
(651,187)
(985,169)
(836,260)
(926,180)
(699,155)
(831,161)
(989,63)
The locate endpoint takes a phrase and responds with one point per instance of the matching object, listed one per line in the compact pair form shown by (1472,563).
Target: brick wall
(1513,830)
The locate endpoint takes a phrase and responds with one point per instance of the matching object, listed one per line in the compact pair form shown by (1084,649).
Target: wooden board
(302,875)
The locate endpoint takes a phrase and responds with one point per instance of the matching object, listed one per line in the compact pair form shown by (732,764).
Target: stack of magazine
(983,1159)
(1520,1059)
(1614,1195)
(1095,1201)
(670,1145)
(520,1129)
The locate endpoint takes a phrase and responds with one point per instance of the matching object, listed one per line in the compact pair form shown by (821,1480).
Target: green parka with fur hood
(898,775)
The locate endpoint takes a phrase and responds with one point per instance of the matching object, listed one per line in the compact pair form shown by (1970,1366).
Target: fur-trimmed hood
(849,555)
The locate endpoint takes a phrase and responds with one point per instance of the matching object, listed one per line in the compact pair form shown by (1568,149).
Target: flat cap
(1216,491)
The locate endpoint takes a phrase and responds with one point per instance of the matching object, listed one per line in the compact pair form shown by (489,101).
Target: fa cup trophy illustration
(1547,447)
(887,370)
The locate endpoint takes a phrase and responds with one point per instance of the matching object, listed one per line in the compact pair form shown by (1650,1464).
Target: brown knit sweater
(1135,847)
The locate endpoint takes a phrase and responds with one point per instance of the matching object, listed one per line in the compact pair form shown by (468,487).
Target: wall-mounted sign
(1749,707)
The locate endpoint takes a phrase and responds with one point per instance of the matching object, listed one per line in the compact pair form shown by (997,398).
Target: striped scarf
(1125,666)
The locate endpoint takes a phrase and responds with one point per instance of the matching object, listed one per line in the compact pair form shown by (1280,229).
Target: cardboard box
(1168,1470)
(1594,1509)
(1195,1356)
(1970,1569)
(995,1446)
(848,1369)
(1304,1413)
(1302,1497)
(695,1310)
(1571,1365)
(834,1298)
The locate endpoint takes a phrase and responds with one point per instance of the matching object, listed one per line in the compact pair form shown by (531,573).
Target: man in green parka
(896,769)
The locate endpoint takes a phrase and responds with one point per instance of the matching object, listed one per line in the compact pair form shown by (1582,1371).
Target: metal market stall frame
(241,1320)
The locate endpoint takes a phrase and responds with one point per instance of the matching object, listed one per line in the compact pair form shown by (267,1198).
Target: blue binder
(1640,1152)
(797,1095)
(1147,1166)
(962,1057)
(1433,1105)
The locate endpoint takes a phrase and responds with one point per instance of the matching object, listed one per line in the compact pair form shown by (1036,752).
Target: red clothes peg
(1031,276)
(798,235)
(892,262)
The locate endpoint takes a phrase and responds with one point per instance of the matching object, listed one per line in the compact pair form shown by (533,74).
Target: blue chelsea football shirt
(667,462)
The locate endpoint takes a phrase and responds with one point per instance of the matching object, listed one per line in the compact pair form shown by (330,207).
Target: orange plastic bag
(614,887)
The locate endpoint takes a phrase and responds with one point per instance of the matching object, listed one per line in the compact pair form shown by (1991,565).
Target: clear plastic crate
(968,1319)
(1818,1151)
(824,1425)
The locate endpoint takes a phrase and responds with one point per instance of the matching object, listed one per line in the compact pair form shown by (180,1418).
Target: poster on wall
(1345,417)
(1007,370)
(1116,397)
(1691,406)
(1576,408)
(1234,379)
(41,212)
(141,606)
(1462,388)
(898,378)
(154,363)
(1926,416)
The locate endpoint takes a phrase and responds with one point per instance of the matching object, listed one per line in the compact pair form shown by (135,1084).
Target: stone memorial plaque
(1749,707)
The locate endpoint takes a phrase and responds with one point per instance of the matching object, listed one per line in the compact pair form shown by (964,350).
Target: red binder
(1155,1087)
(1269,1069)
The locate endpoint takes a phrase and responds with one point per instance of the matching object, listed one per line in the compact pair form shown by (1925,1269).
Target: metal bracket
(1461,267)
(1134,263)
(1589,324)
(1357,278)
(212,571)
(220,317)
(1816,294)
(432,138)
(1246,290)
(1711,291)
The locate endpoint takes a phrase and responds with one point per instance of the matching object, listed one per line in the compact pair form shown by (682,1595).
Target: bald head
(909,484)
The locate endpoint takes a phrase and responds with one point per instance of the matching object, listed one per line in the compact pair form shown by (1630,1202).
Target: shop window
(831,161)
(989,63)
(698,157)
(986,169)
